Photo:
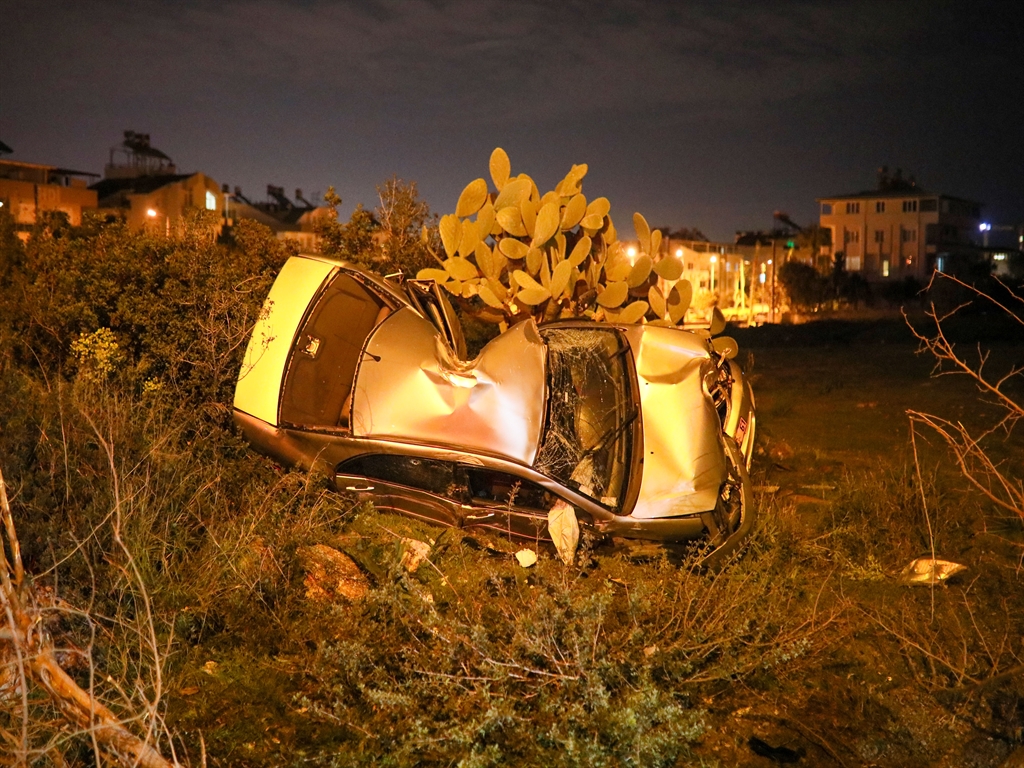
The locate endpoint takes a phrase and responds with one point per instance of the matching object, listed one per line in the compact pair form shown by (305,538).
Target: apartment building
(28,189)
(900,230)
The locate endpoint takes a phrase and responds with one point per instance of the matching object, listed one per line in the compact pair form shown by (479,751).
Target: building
(28,189)
(141,184)
(900,230)
(295,221)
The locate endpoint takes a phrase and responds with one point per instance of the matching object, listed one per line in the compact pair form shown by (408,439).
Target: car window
(326,353)
(430,475)
(488,486)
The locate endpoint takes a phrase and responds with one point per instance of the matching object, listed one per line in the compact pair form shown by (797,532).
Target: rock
(331,575)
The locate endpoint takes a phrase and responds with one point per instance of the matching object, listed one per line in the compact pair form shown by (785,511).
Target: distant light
(631,251)
(679,252)
(1,203)
(769,261)
(1000,257)
(984,227)
(761,277)
(151,212)
(211,201)
(714,259)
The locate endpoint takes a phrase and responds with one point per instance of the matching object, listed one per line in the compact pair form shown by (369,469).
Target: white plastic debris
(526,557)
(414,554)
(564,530)
(929,570)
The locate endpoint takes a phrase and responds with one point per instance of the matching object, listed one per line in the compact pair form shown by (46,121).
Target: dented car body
(645,431)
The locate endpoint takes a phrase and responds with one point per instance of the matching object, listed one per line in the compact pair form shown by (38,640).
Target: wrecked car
(645,431)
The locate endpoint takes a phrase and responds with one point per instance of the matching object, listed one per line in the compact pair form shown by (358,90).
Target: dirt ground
(897,685)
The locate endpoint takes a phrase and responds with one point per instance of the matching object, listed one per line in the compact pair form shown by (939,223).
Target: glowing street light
(151,212)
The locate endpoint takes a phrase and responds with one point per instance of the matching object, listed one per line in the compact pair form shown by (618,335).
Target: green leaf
(528,210)
(574,212)
(640,272)
(657,301)
(533,296)
(437,275)
(533,259)
(451,230)
(570,185)
(726,346)
(643,232)
(679,300)
(717,322)
(513,193)
(634,312)
(511,220)
(485,260)
(524,281)
(472,198)
(547,224)
(669,268)
(512,248)
(580,251)
(560,278)
(470,238)
(485,220)
(489,298)
(500,167)
(599,207)
(613,295)
(460,268)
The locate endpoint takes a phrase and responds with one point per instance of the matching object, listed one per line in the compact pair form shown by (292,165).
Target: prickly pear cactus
(514,253)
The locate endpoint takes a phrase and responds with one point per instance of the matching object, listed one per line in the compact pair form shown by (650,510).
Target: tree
(398,236)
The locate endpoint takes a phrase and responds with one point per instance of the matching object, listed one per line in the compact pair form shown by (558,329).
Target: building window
(910,206)
(908,235)
(880,206)
(826,209)
(853,207)
(931,204)
(853,263)
(879,236)
(211,201)
(851,236)
(885,267)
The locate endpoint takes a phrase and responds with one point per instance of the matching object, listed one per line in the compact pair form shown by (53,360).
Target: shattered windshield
(588,437)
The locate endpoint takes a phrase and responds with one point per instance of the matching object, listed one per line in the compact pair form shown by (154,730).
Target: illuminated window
(885,267)
(853,263)
(211,201)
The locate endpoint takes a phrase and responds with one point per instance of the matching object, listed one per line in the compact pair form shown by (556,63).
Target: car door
(506,502)
(430,301)
(429,489)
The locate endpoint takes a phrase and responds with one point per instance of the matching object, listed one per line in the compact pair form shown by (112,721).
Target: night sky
(703,114)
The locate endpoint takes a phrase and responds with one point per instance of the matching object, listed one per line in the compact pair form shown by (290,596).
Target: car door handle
(359,487)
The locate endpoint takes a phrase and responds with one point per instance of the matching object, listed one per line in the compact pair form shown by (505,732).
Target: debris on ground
(414,554)
(929,570)
(526,557)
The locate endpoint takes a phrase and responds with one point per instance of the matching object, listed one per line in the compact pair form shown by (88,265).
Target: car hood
(683,455)
(411,387)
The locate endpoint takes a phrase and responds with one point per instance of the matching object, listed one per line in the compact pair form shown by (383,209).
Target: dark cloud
(708,114)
